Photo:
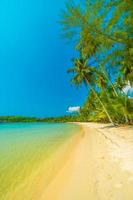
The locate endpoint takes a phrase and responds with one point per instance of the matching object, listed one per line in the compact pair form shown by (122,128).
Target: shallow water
(24,151)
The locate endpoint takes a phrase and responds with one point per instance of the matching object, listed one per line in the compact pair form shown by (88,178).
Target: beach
(72,161)
(99,167)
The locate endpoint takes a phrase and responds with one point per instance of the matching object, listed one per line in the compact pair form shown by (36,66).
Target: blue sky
(34,60)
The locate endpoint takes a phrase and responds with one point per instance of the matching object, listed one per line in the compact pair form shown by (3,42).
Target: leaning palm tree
(83,73)
(90,46)
(88,30)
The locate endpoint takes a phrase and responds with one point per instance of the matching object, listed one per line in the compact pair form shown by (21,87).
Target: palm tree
(85,74)
(109,43)
(89,45)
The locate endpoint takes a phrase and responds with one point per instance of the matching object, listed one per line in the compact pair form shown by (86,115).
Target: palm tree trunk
(102,104)
(113,87)
(106,76)
(116,94)
(104,108)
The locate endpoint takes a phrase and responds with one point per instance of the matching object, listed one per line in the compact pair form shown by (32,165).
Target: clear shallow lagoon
(25,149)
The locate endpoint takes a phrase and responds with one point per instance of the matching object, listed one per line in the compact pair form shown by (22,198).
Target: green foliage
(102,30)
(62,119)
(17,119)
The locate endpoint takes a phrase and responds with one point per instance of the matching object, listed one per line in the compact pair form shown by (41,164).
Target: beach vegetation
(101,32)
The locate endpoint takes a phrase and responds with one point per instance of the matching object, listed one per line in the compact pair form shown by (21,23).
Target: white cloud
(128,90)
(73,109)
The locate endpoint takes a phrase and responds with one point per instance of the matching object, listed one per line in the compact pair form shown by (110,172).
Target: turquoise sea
(27,157)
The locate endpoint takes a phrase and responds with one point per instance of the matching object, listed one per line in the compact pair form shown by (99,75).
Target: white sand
(99,167)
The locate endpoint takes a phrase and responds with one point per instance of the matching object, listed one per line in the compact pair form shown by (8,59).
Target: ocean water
(27,157)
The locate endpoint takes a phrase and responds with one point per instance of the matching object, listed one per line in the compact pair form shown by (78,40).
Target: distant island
(12,119)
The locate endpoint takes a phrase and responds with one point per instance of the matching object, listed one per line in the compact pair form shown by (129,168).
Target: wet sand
(99,167)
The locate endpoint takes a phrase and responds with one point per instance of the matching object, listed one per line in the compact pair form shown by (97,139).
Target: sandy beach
(99,167)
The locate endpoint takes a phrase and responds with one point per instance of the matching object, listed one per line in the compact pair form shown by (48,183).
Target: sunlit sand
(100,167)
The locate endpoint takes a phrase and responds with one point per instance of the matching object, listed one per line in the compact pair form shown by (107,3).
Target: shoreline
(99,167)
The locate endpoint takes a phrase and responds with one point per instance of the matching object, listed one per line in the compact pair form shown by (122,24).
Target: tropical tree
(104,34)
(83,73)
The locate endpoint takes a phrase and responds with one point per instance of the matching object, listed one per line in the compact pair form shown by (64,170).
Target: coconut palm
(83,73)
(90,46)
(109,44)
